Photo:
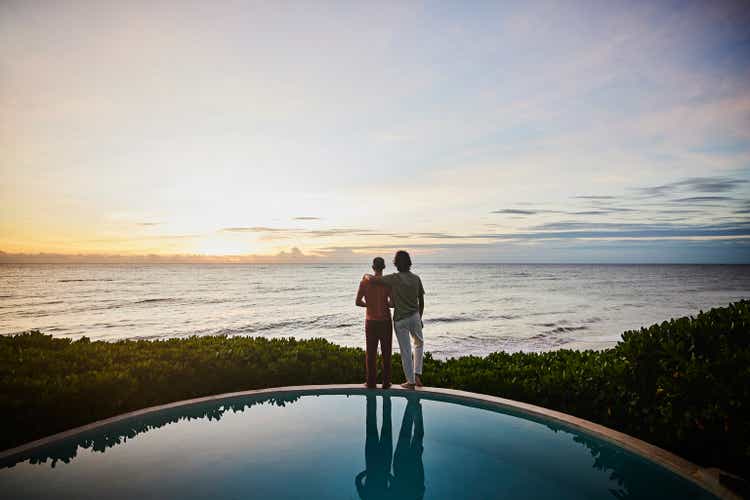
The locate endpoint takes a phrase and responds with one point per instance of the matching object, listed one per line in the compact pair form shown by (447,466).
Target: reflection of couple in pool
(407,480)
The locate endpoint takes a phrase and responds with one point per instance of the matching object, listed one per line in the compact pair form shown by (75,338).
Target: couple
(404,292)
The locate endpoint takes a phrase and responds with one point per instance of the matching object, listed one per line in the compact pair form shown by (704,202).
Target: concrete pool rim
(708,479)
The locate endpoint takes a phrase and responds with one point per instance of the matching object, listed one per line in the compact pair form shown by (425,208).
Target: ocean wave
(249,329)
(13,310)
(450,319)
(35,304)
(324,322)
(215,301)
(149,301)
(80,280)
(343,325)
(544,341)
(563,329)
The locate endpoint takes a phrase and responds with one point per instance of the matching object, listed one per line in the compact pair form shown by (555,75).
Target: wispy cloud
(515,211)
(293,255)
(696,184)
(306,217)
(253,229)
(702,199)
(289,232)
(602,210)
(155,237)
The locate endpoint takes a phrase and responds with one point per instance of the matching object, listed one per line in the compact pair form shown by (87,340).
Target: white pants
(406,329)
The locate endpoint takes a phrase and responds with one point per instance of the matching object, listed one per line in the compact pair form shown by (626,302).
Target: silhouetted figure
(408,469)
(407,293)
(373,482)
(378,327)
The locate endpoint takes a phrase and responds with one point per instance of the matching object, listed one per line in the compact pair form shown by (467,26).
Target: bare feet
(419,381)
(407,385)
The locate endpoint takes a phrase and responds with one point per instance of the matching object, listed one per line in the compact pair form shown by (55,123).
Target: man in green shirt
(407,294)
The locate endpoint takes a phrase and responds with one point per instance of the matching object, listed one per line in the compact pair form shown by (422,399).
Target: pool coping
(707,479)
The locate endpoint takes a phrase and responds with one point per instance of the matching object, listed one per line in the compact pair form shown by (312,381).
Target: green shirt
(406,288)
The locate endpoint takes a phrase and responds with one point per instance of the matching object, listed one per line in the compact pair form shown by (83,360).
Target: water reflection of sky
(320,446)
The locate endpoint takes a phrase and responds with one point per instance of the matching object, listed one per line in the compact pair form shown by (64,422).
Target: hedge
(682,384)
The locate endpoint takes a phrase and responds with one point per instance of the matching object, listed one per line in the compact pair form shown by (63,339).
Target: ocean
(470,308)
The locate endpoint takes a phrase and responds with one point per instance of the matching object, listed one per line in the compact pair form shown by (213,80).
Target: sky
(332,132)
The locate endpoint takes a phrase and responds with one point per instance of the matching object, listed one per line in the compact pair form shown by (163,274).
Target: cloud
(589,251)
(592,197)
(607,226)
(714,185)
(696,184)
(585,230)
(252,229)
(293,255)
(603,211)
(324,233)
(702,199)
(306,217)
(273,233)
(679,211)
(515,211)
(148,224)
(574,230)
(155,237)
(597,211)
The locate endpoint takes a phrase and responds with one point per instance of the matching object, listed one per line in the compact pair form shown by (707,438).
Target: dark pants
(408,468)
(378,331)
(373,482)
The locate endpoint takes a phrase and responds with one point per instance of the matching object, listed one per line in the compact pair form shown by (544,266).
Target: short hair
(402,261)
(378,263)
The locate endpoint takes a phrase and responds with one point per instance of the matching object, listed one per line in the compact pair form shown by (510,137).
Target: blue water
(333,446)
(470,308)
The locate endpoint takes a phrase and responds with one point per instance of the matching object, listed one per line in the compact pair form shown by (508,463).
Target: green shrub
(682,385)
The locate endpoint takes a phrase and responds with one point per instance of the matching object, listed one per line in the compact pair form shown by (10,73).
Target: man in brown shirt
(378,329)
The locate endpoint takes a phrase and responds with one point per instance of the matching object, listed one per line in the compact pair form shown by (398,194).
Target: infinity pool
(345,445)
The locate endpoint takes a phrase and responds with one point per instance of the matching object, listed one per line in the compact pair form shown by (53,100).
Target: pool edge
(708,479)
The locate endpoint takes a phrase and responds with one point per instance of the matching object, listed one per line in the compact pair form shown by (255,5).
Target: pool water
(341,445)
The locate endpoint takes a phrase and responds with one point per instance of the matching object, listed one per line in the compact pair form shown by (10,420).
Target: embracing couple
(403,292)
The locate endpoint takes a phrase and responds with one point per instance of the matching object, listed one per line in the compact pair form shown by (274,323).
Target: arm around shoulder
(377,280)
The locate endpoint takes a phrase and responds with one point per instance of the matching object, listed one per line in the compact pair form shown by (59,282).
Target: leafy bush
(682,384)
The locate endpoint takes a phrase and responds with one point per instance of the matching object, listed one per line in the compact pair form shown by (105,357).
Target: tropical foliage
(683,384)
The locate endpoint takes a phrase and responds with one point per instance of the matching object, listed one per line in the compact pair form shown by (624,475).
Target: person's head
(402,261)
(378,264)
